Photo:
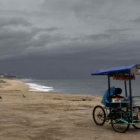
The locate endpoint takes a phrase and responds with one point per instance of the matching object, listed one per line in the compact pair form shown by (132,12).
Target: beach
(34,115)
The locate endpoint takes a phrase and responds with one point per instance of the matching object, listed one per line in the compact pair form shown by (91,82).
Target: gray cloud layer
(95,32)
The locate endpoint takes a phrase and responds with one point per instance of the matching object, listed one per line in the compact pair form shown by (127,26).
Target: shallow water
(94,86)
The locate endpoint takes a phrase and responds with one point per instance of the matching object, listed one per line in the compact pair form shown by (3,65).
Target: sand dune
(28,115)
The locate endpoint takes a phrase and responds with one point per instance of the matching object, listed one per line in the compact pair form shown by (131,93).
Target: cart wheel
(117,123)
(99,116)
(136,126)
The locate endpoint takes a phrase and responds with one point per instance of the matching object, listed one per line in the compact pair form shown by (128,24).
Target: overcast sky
(67,38)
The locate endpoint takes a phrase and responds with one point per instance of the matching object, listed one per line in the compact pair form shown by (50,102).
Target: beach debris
(23,96)
(0,97)
(82,99)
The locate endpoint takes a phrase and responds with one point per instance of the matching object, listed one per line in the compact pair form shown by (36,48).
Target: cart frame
(120,116)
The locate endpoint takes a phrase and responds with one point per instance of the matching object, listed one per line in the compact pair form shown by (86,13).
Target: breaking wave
(38,87)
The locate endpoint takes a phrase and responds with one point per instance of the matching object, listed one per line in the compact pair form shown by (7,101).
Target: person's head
(118,91)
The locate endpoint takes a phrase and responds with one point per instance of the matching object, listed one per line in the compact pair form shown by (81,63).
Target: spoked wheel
(136,119)
(118,123)
(137,126)
(99,116)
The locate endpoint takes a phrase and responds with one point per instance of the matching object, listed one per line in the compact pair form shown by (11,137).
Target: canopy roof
(133,69)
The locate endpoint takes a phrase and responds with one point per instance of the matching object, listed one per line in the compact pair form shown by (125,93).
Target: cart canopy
(133,69)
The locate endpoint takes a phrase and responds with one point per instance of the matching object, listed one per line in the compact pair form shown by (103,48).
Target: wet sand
(30,115)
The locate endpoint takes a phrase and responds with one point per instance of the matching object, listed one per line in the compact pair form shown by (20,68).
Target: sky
(47,39)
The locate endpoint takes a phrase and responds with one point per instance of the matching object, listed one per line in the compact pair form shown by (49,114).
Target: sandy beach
(26,115)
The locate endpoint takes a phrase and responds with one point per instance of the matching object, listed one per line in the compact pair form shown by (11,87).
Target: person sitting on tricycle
(114,97)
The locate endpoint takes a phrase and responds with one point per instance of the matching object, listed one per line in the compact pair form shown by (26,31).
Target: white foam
(38,87)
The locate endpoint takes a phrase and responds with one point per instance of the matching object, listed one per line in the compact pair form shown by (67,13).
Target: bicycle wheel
(136,119)
(118,124)
(99,116)
(136,126)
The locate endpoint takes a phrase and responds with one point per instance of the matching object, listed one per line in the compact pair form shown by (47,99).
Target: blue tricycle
(120,112)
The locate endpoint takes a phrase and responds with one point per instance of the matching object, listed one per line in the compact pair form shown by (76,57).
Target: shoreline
(29,115)
(17,85)
(72,86)
(38,87)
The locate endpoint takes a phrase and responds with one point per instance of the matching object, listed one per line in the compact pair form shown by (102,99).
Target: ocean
(94,86)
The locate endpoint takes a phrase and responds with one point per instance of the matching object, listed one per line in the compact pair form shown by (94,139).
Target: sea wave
(38,87)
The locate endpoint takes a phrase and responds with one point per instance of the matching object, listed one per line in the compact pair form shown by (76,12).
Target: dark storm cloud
(99,36)
(21,42)
(73,65)
(67,37)
(137,20)
(51,29)
(15,41)
(45,39)
(114,35)
(117,30)
(14,22)
(63,25)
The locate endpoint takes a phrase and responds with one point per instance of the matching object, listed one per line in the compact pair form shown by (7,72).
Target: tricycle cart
(123,112)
